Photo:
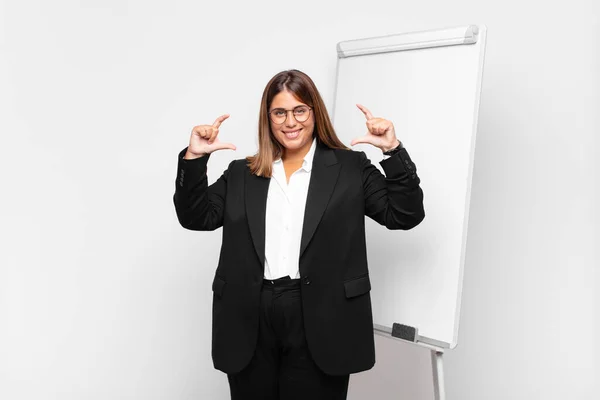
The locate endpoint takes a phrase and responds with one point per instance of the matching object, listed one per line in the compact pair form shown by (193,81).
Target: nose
(290,121)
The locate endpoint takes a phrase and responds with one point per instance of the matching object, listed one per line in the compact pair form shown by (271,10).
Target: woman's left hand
(381,132)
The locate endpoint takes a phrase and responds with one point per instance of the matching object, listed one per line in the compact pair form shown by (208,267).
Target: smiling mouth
(292,134)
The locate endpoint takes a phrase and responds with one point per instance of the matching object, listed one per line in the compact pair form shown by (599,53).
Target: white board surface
(428,84)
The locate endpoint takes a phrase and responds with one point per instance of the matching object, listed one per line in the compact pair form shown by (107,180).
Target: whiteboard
(428,84)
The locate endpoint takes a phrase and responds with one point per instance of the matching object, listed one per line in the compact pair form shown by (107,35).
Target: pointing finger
(365,110)
(218,121)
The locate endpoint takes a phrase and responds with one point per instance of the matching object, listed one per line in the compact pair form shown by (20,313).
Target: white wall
(104,296)
(530,322)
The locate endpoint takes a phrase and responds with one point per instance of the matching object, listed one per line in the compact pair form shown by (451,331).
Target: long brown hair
(304,89)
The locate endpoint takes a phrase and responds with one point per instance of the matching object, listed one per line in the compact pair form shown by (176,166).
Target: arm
(199,207)
(396,199)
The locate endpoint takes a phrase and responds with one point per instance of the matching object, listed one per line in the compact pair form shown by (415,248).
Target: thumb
(225,146)
(361,139)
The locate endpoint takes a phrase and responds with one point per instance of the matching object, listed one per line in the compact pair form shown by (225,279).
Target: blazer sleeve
(394,199)
(199,207)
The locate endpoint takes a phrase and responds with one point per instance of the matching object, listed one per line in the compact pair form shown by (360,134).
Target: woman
(291,304)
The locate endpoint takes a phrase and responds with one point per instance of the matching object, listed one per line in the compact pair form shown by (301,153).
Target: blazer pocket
(218,285)
(357,286)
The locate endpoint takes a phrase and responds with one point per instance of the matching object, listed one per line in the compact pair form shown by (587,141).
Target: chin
(294,144)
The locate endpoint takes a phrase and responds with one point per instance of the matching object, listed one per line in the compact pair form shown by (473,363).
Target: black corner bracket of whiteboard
(409,41)
(405,332)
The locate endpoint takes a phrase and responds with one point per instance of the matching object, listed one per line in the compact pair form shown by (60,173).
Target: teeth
(292,134)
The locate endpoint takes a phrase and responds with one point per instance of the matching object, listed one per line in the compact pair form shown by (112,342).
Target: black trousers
(282,367)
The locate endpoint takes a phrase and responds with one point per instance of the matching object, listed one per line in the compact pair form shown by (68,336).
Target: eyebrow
(281,108)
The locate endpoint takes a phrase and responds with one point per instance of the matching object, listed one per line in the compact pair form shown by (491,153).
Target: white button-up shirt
(284,218)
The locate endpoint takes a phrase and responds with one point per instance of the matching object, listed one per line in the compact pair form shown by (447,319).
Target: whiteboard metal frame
(453,36)
(437,361)
(409,41)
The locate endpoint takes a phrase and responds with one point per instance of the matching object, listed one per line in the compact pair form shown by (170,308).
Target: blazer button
(306,281)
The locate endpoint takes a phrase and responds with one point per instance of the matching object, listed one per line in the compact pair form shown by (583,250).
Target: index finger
(218,121)
(365,110)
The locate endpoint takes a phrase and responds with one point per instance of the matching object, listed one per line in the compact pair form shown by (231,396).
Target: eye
(300,110)
(278,113)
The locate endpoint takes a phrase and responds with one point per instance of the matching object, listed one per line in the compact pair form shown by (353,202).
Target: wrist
(396,144)
(191,156)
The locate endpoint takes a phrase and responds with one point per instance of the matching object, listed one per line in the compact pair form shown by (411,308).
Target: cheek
(310,127)
(274,129)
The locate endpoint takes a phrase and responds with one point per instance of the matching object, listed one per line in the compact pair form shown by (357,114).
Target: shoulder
(237,164)
(349,156)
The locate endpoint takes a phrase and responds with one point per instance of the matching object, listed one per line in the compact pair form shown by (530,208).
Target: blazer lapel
(323,177)
(256,188)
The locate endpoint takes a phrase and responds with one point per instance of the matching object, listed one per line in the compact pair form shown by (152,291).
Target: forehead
(285,99)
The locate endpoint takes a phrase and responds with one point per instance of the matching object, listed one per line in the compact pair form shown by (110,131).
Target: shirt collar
(308,158)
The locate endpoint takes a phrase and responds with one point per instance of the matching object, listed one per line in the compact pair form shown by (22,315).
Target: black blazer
(344,187)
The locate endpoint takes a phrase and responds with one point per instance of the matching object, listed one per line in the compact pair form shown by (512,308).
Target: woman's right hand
(204,140)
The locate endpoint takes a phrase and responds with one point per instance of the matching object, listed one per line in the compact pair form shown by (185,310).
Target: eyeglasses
(279,115)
